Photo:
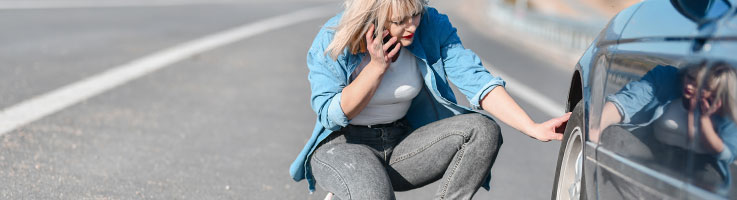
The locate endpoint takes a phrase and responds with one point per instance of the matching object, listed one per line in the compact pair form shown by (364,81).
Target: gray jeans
(358,162)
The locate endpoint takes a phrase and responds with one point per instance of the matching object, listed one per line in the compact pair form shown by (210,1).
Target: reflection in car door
(720,49)
(632,163)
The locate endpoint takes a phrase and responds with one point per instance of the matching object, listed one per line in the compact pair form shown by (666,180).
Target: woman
(386,115)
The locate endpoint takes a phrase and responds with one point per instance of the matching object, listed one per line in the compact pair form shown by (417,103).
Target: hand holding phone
(710,106)
(386,41)
(388,44)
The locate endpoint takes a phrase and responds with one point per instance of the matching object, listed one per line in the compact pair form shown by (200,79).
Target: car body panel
(658,19)
(727,27)
(720,50)
(636,40)
(626,158)
(595,53)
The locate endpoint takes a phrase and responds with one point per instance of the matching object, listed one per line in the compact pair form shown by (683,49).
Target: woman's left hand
(708,109)
(550,130)
(500,105)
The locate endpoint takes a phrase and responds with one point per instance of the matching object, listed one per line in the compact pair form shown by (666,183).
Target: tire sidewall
(575,121)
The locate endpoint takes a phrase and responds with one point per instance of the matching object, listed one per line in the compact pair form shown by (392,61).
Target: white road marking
(59,4)
(529,95)
(47,4)
(38,107)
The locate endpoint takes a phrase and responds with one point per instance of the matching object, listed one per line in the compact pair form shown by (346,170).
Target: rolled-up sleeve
(656,85)
(327,80)
(335,112)
(462,66)
(726,155)
(476,99)
(632,98)
(465,70)
(728,132)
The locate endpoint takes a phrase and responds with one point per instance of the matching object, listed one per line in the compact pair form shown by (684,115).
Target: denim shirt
(440,56)
(642,102)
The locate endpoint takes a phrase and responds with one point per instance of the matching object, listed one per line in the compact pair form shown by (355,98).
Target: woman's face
(690,89)
(404,28)
(689,86)
(709,91)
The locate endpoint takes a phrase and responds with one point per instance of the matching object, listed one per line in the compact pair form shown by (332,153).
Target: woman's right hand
(378,51)
(359,92)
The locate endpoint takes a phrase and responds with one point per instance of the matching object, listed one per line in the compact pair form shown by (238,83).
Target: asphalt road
(222,124)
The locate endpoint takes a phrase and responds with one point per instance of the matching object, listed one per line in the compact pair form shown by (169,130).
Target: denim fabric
(371,163)
(441,59)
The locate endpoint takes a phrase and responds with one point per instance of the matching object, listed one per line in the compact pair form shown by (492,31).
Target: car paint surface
(635,41)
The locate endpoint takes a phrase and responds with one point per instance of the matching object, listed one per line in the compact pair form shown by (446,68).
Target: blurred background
(196,99)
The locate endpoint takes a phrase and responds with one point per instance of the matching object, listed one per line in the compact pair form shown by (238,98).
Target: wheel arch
(575,92)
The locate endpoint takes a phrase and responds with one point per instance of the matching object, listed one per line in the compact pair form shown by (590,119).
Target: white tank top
(399,85)
(672,127)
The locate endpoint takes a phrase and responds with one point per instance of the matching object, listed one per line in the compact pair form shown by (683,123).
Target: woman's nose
(410,27)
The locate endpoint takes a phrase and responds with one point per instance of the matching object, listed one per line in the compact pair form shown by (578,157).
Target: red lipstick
(409,36)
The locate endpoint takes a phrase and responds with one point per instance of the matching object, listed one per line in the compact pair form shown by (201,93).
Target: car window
(674,19)
(659,19)
(728,29)
(706,9)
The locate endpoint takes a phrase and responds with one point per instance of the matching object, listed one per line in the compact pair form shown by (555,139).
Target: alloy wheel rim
(569,179)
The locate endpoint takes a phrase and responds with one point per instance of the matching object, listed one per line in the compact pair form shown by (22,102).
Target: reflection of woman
(679,113)
(386,115)
(717,104)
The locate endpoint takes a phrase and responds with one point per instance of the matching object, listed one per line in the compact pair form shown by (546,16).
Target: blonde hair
(723,79)
(358,17)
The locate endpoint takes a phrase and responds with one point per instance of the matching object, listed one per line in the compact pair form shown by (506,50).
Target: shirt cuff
(620,109)
(725,155)
(476,100)
(335,113)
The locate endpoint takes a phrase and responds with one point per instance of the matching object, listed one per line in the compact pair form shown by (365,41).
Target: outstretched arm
(609,115)
(503,107)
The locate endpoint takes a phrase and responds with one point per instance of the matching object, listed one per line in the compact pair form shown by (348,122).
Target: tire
(569,174)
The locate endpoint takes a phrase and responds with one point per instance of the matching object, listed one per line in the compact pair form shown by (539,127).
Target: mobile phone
(710,101)
(385,39)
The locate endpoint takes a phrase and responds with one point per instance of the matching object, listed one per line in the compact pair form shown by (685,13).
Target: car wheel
(569,171)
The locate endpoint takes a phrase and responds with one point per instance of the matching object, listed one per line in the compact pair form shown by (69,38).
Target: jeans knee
(485,130)
(351,171)
(482,123)
(329,178)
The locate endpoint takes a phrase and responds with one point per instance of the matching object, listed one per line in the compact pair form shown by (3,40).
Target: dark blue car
(654,100)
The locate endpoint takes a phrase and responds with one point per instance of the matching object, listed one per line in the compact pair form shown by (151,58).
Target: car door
(632,163)
(707,180)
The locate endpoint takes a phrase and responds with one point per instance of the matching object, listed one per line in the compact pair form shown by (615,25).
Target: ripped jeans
(358,162)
